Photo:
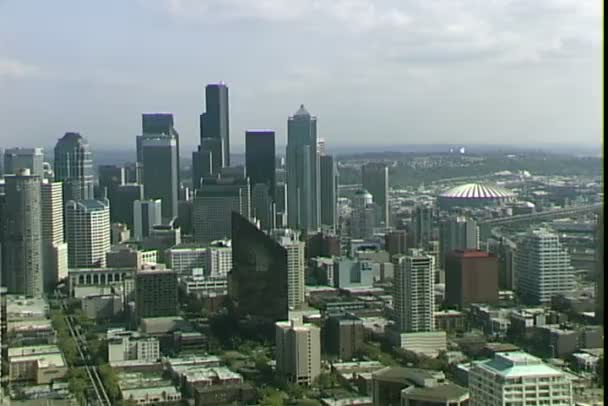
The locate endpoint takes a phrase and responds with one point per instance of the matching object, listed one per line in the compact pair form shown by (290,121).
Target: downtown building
(471,276)
(329,192)
(54,247)
(88,232)
(146,215)
(161,172)
(374,177)
(260,166)
(24,158)
(73,165)
(298,351)
(457,233)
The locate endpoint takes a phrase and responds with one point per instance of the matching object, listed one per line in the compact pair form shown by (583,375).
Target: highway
(101,396)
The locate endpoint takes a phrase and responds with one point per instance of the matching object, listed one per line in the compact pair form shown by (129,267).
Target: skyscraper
(290,241)
(24,158)
(213,153)
(260,166)
(364,217)
(74,167)
(457,233)
(471,276)
(214,204)
(161,173)
(298,351)
(395,242)
(22,235)
(303,186)
(88,232)
(156,292)
(156,125)
(423,225)
(599,269)
(146,214)
(329,191)
(414,292)
(258,280)
(543,267)
(374,177)
(54,247)
(121,209)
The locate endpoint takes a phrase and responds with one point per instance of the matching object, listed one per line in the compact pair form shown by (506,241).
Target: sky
(374,72)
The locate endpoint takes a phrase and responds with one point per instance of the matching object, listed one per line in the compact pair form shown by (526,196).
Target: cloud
(14,69)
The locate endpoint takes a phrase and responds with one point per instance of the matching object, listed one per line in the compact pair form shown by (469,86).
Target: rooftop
(517,364)
(476,191)
(443,393)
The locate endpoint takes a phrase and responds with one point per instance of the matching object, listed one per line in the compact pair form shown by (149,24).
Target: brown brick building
(471,276)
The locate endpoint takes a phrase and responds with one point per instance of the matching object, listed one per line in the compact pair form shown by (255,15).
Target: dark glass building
(258,280)
(344,336)
(260,158)
(74,167)
(161,173)
(121,207)
(471,276)
(374,177)
(329,191)
(156,293)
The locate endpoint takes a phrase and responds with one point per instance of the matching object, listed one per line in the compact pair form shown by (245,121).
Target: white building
(298,351)
(517,378)
(364,217)
(219,258)
(54,248)
(88,232)
(289,239)
(146,214)
(204,286)
(126,345)
(543,267)
(184,259)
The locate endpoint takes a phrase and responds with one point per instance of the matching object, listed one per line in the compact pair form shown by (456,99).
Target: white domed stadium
(474,195)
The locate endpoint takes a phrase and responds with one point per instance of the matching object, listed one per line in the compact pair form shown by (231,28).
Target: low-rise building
(102,307)
(126,345)
(450,321)
(37,364)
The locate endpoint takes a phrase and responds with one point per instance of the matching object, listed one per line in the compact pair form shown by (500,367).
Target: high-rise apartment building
(512,378)
(303,183)
(543,267)
(457,233)
(290,241)
(156,292)
(298,351)
(146,214)
(374,177)
(88,232)
(161,177)
(258,280)
(22,235)
(329,191)
(423,225)
(471,276)
(24,158)
(54,247)
(414,300)
(74,167)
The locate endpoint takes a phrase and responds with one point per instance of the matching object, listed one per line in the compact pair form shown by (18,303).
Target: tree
(110,381)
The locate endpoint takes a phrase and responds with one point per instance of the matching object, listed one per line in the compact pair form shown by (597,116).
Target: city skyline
(412,77)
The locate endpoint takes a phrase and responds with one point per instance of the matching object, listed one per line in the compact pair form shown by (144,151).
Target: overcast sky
(373,71)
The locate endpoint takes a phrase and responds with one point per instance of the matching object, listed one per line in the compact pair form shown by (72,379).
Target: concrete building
(364,216)
(517,377)
(161,172)
(298,351)
(303,183)
(389,383)
(54,247)
(543,267)
(22,256)
(88,232)
(395,242)
(156,292)
(424,218)
(183,259)
(124,345)
(374,177)
(290,241)
(329,191)
(123,256)
(214,204)
(73,166)
(16,159)
(471,276)
(349,273)
(457,233)
(39,365)
(344,336)
(146,214)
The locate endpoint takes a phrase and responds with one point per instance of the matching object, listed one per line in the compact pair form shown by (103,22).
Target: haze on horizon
(385,71)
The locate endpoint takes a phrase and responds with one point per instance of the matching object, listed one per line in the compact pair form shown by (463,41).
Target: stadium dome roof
(477,191)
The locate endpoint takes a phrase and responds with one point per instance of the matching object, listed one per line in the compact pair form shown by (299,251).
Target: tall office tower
(156,292)
(423,225)
(258,281)
(156,125)
(599,269)
(395,242)
(281,204)
(74,167)
(504,250)
(298,351)
(88,232)
(543,267)
(344,336)
(290,241)
(22,239)
(414,300)
(260,166)
(54,247)
(121,209)
(24,158)
(110,177)
(213,153)
(161,172)
(457,233)
(329,191)
(471,276)
(146,214)
(364,217)
(303,183)
(214,204)
(498,382)
(374,177)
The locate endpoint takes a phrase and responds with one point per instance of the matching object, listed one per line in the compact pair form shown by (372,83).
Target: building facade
(298,351)
(74,167)
(88,232)
(54,247)
(374,177)
(471,276)
(161,176)
(146,215)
